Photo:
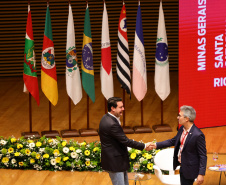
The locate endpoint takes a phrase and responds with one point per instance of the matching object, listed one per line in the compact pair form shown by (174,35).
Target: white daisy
(13,161)
(31,145)
(141,159)
(36,165)
(53,162)
(41,150)
(3,142)
(78,151)
(65,150)
(74,155)
(55,141)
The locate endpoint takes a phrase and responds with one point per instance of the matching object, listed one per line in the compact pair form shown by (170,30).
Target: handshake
(150,146)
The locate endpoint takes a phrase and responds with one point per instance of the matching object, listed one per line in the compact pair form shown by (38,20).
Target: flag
(73,81)
(87,59)
(162,80)
(107,87)
(48,71)
(123,63)
(139,61)
(30,72)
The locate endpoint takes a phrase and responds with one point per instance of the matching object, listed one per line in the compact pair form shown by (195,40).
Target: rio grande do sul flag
(107,87)
(162,80)
(30,72)
(123,63)
(73,81)
(87,59)
(139,61)
(48,70)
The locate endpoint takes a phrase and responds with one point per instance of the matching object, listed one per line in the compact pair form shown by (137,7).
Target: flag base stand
(69,133)
(128,130)
(50,133)
(162,128)
(88,132)
(27,135)
(142,129)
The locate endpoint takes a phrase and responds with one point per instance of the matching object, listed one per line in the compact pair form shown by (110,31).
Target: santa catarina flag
(73,81)
(123,63)
(162,79)
(87,59)
(30,72)
(139,61)
(48,70)
(107,87)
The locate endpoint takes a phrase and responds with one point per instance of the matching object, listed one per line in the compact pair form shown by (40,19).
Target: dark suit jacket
(193,156)
(114,154)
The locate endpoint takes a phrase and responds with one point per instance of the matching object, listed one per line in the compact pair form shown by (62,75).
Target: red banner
(202,59)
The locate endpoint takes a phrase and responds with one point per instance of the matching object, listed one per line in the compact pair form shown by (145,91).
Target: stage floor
(14,119)
(14,112)
(28,177)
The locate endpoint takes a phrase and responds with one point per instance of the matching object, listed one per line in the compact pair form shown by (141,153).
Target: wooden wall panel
(13,16)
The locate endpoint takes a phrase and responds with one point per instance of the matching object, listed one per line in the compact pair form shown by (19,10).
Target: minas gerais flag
(48,72)
(87,59)
(73,81)
(30,72)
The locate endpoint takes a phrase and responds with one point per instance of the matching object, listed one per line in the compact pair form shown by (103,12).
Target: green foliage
(58,154)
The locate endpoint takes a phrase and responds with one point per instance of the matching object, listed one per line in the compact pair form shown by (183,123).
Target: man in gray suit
(114,154)
(190,148)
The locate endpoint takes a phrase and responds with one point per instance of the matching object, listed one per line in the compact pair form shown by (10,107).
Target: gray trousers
(119,178)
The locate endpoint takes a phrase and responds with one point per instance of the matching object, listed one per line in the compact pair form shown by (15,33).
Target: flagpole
(161,112)
(162,127)
(87,98)
(123,92)
(88,131)
(50,133)
(30,133)
(140,94)
(50,117)
(124,113)
(141,107)
(69,112)
(30,114)
(70,132)
(126,129)
(162,86)
(105,102)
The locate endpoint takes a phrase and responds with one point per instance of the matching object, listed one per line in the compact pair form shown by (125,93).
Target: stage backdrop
(202,62)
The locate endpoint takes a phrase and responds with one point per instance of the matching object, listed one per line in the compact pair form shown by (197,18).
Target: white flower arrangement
(57,154)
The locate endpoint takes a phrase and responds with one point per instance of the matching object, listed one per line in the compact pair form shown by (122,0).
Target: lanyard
(182,141)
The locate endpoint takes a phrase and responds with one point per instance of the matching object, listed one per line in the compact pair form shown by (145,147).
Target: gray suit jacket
(114,154)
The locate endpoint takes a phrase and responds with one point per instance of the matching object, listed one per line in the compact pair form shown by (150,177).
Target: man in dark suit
(190,148)
(114,154)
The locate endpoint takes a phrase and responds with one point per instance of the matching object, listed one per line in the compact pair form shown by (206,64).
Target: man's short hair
(112,102)
(189,112)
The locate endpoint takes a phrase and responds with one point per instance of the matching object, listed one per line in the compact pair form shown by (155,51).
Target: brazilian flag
(87,59)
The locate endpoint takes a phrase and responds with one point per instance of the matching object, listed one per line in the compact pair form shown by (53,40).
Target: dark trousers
(185,181)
